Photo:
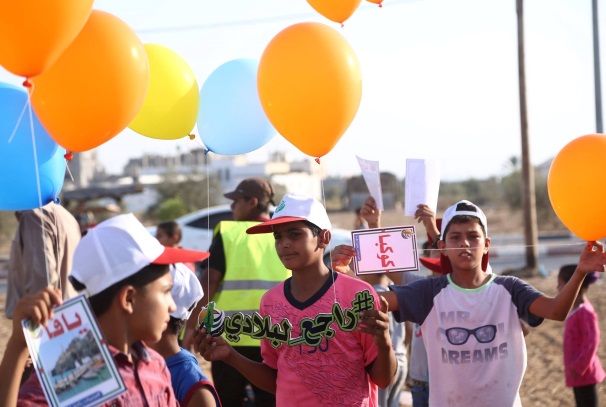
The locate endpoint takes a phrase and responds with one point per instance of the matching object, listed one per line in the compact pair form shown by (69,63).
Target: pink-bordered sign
(381,250)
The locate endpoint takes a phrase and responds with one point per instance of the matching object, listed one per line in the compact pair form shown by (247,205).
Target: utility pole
(596,67)
(528,185)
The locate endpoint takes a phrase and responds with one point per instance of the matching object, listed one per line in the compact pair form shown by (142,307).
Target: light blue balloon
(18,177)
(231,119)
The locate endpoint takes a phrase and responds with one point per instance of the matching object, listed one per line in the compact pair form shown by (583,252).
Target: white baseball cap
(186,291)
(454,210)
(293,208)
(119,247)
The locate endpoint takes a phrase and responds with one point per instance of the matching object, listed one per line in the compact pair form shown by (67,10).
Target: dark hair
(315,230)
(567,271)
(261,208)
(458,219)
(171,228)
(176,325)
(102,301)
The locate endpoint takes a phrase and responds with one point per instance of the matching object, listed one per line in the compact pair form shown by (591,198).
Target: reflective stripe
(248,285)
(252,267)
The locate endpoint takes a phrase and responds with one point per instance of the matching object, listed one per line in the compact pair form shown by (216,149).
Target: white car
(198,229)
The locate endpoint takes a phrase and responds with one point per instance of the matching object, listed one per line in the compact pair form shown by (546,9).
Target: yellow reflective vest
(252,267)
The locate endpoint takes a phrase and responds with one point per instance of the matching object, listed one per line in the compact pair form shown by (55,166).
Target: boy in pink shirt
(582,366)
(325,335)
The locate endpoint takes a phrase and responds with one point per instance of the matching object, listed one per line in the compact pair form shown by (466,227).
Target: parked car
(198,229)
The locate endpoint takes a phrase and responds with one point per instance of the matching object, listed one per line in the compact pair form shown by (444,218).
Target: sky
(440,77)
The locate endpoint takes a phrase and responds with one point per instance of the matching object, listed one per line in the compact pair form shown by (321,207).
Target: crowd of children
(327,338)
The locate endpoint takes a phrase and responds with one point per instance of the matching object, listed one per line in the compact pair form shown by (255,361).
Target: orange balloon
(96,88)
(310,86)
(574,194)
(335,10)
(34,33)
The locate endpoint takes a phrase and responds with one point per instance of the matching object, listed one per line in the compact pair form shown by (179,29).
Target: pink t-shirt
(324,361)
(582,366)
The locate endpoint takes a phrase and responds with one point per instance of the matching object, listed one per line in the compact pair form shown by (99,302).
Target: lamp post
(596,67)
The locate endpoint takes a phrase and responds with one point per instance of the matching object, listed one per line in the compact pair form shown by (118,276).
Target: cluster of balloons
(88,77)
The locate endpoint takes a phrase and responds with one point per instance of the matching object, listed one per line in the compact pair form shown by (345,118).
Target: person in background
(124,272)
(41,253)
(241,268)
(360,222)
(582,367)
(190,384)
(330,357)
(169,234)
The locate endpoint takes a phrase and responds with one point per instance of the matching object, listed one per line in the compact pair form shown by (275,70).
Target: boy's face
(152,306)
(465,245)
(296,246)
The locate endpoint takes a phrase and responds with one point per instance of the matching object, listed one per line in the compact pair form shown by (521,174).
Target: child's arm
(371,213)
(376,323)
(593,258)
(217,348)
(37,308)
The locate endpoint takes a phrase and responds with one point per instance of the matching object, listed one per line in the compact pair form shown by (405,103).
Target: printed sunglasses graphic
(459,336)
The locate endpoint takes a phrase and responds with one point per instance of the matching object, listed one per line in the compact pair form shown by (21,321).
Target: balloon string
(37,171)
(19,120)
(68,157)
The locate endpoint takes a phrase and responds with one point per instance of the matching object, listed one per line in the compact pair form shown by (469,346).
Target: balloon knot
(68,156)
(380,5)
(318,160)
(206,151)
(192,136)
(57,201)
(342,25)
(27,83)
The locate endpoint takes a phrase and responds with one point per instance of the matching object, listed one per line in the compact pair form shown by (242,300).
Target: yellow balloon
(310,86)
(170,109)
(335,10)
(574,194)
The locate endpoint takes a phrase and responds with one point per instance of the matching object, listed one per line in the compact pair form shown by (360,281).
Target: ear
(324,238)
(253,202)
(126,298)
(486,245)
(441,246)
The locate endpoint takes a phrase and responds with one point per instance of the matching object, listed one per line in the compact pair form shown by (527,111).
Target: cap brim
(172,255)
(267,227)
(233,195)
(432,263)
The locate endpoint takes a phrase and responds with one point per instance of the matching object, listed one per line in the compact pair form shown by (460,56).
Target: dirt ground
(543,384)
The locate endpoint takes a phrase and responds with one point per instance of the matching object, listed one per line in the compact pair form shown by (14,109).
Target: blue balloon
(231,119)
(21,186)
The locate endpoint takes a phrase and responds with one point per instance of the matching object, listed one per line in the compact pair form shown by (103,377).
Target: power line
(256,21)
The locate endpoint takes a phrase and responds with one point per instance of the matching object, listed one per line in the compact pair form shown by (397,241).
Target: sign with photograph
(383,250)
(72,360)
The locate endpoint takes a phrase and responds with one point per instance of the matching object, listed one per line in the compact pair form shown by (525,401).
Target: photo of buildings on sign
(72,362)
(382,250)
